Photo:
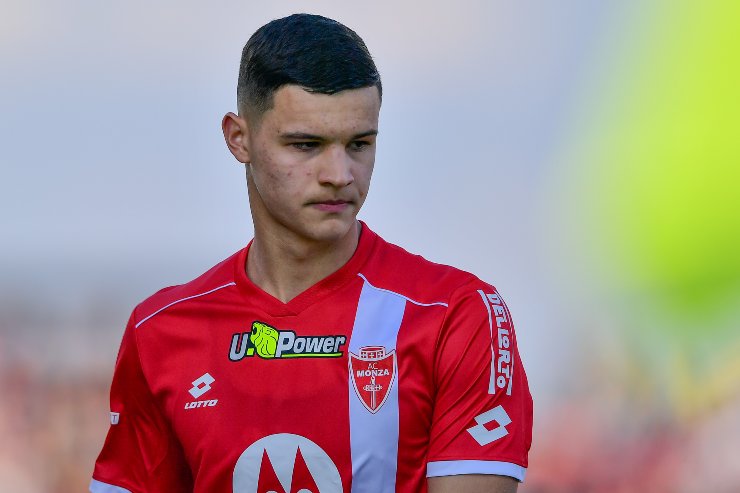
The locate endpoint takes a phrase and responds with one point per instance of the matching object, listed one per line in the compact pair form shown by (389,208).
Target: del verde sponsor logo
(267,342)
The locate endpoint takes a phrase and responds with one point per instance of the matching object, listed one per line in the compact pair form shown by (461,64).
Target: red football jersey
(391,370)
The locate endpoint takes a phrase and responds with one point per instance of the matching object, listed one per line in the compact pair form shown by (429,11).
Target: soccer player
(320,358)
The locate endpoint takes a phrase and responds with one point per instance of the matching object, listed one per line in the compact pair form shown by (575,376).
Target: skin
(309,160)
(472,483)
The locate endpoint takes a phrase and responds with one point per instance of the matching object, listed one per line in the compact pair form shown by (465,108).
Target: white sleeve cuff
(101,487)
(455,467)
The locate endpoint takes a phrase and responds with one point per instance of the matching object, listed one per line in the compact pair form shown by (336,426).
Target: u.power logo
(286,463)
(267,342)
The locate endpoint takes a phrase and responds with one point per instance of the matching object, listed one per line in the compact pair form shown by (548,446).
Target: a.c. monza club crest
(372,373)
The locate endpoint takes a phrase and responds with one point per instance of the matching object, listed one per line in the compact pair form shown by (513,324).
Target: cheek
(266,178)
(279,180)
(363,175)
(272,171)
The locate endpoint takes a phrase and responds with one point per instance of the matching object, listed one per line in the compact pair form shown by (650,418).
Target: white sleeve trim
(101,487)
(455,467)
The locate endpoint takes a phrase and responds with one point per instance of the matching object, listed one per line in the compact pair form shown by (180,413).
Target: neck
(284,265)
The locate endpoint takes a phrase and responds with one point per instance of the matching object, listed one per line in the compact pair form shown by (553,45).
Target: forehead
(297,110)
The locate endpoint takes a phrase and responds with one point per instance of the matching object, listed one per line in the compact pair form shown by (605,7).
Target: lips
(333,201)
(331,205)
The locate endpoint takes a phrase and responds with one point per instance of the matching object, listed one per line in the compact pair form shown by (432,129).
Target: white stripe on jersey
(374,437)
(100,487)
(455,467)
(434,303)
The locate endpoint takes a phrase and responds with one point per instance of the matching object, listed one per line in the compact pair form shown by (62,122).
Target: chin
(330,230)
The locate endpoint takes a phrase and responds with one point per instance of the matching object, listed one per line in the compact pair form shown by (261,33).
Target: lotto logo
(194,404)
(201,385)
(483,435)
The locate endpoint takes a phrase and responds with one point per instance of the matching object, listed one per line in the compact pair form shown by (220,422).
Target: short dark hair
(319,54)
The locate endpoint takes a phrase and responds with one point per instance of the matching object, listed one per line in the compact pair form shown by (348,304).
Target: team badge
(372,374)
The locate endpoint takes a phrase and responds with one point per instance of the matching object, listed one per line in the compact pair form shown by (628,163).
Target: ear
(237,136)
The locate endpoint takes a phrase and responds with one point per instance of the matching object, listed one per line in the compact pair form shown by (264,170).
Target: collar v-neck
(275,307)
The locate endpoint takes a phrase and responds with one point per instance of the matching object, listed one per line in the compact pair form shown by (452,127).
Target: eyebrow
(307,136)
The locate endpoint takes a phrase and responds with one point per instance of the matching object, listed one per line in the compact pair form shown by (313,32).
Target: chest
(345,386)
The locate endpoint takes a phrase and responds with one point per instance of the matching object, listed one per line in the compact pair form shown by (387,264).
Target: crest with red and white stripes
(372,374)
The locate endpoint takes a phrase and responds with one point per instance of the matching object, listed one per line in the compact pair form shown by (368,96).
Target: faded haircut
(319,54)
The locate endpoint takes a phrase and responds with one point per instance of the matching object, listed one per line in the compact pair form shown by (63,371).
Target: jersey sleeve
(141,453)
(482,419)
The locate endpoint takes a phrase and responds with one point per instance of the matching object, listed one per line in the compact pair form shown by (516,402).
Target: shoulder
(393,268)
(219,277)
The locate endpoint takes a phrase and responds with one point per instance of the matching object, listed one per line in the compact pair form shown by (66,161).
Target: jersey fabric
(390,370)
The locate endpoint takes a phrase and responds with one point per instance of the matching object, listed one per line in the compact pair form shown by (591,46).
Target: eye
(359,145)
(305,146)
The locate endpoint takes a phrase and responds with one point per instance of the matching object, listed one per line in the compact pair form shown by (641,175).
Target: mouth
(337,205)
(333,202)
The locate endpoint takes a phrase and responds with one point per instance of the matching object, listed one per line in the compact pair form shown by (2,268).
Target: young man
(319,358)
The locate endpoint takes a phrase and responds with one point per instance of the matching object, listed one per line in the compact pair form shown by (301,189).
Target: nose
(336,167)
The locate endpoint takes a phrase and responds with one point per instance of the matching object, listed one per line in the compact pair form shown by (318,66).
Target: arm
(472,483)
(141,453)
(482,421)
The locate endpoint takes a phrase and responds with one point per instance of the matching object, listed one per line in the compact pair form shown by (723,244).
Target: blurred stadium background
(582,156)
